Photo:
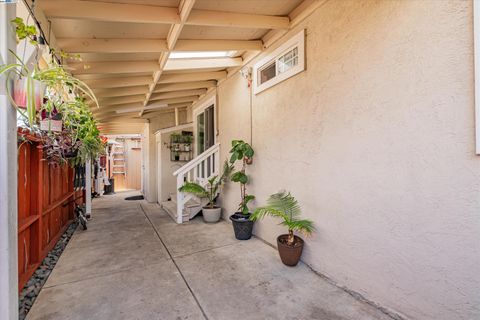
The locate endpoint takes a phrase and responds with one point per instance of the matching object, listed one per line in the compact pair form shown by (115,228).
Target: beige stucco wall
(376,141)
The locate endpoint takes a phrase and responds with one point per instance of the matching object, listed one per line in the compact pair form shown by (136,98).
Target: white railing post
(180,198)
(217,163)
(196,171)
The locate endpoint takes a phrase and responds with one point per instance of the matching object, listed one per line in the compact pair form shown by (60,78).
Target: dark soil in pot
(290,254)
(242,225)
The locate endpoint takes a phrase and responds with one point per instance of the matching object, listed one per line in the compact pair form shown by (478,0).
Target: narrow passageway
(134,262)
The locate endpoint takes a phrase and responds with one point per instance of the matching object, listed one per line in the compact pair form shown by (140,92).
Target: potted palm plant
(242,225)
(211,213)
(284,206)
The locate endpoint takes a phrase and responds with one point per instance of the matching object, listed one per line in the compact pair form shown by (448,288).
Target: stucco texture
(376,141)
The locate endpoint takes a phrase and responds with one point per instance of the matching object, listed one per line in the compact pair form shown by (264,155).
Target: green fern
(284,206)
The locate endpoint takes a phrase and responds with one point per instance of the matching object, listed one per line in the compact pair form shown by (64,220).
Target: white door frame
(199,109)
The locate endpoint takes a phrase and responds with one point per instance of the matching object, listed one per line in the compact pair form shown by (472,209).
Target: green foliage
(284,206)
(243,206)
(24,31)
(65,99)
(213,186)
(241,151)
(240,177)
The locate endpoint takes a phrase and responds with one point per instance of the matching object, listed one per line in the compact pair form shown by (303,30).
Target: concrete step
(171,209)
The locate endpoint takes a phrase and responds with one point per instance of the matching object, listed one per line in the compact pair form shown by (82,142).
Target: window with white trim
(283,63)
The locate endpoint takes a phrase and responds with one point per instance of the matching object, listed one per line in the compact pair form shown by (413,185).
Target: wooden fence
(44,211)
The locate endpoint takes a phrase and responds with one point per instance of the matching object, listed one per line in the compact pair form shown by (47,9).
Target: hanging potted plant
(51,118)
(284,206)
(211,213)
(242,225)
(25,86)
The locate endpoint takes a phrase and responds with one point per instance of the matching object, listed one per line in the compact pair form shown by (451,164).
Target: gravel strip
(32,288)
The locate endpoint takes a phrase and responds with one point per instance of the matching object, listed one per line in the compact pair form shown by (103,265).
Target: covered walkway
(134,262)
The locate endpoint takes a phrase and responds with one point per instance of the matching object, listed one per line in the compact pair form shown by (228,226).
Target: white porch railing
(199,170)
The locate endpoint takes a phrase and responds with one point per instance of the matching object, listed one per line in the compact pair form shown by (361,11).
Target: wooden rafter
(75,45)
(85,45)
(115,72)
(113,67)
(122,12)
(184,10)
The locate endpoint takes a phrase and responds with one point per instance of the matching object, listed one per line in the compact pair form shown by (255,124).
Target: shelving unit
(181,147)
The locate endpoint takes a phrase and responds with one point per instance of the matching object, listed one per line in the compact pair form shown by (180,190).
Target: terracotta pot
(211,215)
(290,255)
(242,226)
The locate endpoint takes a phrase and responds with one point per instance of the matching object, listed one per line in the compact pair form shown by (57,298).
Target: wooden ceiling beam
(113,67)
(218,45)
(184,86)
(119,92)
(156,96)
(238,20)
(169,87)
(119,82)
(178,94)
(184,10)
(115,12)
(85,45)
(177,100)
(124,67)
(76,45)
(121,100)
(194,76)
(125,12)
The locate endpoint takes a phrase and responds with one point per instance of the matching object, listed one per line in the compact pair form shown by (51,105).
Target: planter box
(51,125)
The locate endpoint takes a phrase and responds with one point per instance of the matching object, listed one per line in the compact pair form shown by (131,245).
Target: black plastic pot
(242,225)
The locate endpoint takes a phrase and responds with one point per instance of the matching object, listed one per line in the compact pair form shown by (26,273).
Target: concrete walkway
(134,262)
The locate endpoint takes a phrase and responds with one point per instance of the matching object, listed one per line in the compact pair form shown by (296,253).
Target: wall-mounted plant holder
(181,146)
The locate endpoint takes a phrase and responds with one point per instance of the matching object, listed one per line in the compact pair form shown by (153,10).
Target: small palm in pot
(283,205)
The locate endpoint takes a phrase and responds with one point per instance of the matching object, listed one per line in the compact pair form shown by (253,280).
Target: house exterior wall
(167,167)
(149,162)
(376,141)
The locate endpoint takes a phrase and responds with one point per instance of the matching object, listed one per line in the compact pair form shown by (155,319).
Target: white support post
(88,188)
(180,198)
(8,177)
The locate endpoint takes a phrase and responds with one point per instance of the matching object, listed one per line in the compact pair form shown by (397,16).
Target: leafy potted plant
(242,225)
(188,142)
(211,213)
(51,119)
(283,205)
(175,137)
